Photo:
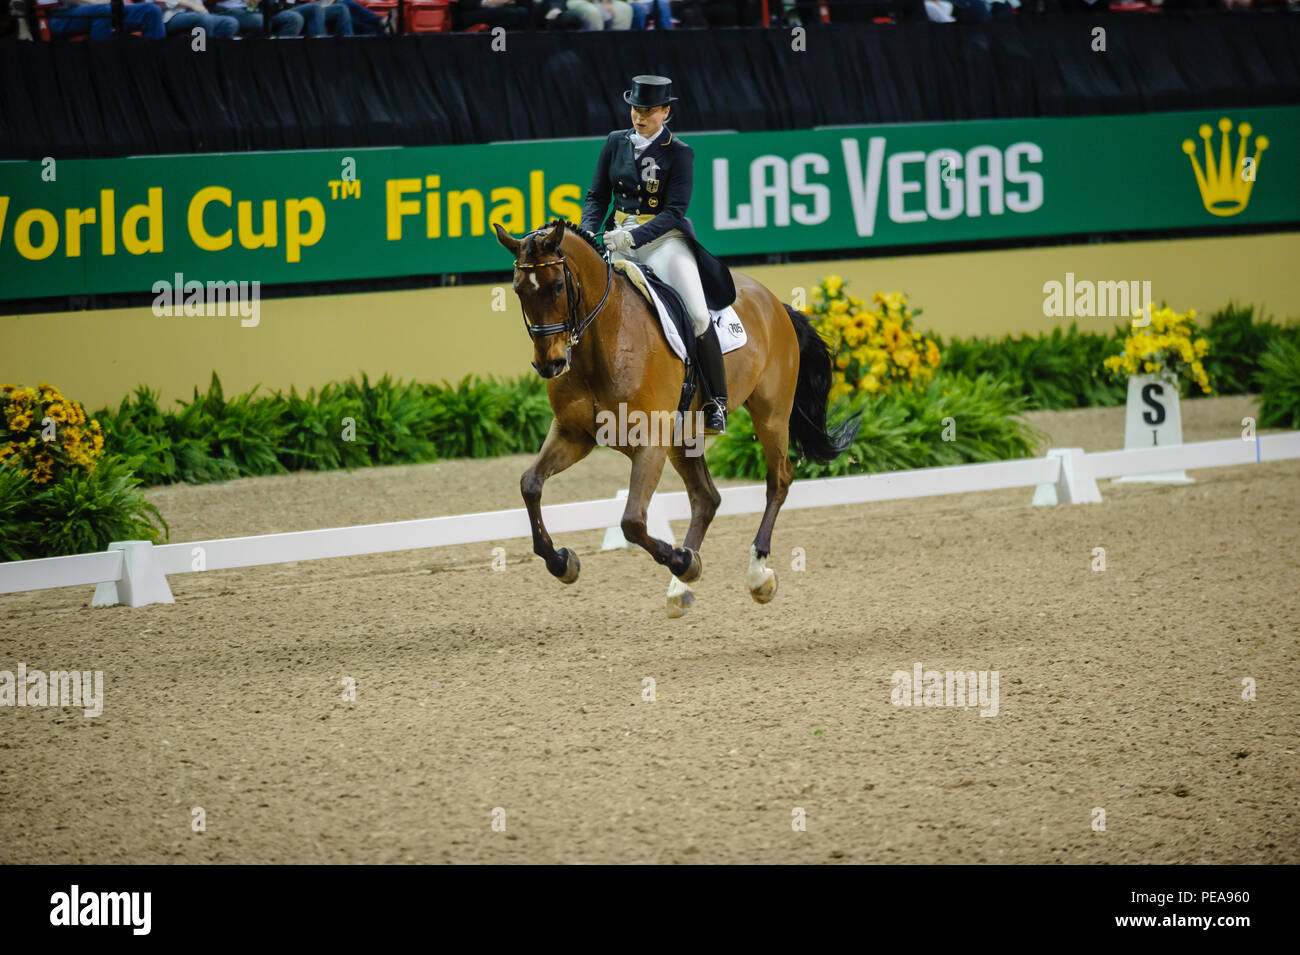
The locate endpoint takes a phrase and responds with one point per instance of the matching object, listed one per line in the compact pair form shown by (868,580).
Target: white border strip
(221,554)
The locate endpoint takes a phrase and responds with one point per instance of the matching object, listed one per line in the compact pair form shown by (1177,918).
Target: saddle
(669,308)
(671,311)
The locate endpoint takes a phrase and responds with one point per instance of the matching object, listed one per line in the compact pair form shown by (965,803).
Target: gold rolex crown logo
(1225,186)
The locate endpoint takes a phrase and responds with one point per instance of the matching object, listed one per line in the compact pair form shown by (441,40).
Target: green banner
(89,226)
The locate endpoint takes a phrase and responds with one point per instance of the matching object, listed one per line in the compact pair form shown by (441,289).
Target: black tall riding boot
(709,353)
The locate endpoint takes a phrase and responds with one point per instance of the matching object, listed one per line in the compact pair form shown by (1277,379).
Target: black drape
(142,97)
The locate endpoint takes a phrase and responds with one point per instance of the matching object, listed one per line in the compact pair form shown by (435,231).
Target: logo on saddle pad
(732,326)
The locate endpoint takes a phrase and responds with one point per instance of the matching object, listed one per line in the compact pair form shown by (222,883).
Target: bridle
(573,297)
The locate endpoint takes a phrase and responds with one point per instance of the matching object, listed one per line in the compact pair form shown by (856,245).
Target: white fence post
(143,581)
(614,538)
(656,524)
(1075,485)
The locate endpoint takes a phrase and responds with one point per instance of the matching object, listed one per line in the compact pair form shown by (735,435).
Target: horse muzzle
(553,368)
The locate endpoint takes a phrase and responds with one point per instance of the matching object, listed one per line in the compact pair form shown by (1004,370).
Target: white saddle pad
(731,331)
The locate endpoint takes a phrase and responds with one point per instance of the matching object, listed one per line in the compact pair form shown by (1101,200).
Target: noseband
(573,298)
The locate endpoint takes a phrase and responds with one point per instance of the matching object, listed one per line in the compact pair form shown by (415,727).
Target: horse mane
(588,237)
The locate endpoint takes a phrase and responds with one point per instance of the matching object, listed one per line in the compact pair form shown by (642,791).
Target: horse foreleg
(647,467)
(701,491)
(560,450)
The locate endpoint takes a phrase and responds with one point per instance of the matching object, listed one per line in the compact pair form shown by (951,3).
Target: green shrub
(466,419)
(394,420)
(79,512)
(1237,345)
(526,415)
(1279,380)
(902,430)
(1054,371)
(245,430)
(139,430)
(16,532)
(315,426)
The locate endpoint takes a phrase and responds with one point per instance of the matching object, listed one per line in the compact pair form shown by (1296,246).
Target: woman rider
(647,172)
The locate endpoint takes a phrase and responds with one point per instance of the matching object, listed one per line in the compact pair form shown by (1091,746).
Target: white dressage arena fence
(135,572)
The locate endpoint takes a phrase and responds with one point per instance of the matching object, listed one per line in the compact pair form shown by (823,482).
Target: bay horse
(599,346)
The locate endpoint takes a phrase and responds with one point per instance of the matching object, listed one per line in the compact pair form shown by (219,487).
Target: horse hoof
(693,569)
(765,591)
(678,604)
(572,566)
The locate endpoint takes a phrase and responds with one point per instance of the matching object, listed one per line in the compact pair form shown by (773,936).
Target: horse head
(552,279)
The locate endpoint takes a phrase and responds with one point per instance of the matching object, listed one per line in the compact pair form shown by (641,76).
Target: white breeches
(673,261)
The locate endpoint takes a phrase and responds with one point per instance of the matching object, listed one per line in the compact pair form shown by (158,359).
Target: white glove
(619,240)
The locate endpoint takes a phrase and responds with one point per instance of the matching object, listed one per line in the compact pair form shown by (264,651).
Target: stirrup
(715,417)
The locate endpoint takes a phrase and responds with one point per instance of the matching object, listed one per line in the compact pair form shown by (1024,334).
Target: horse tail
(808,431)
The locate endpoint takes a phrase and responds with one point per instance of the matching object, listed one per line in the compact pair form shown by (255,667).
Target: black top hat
(650,91)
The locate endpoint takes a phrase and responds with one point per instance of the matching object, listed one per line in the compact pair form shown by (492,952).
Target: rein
(573,298)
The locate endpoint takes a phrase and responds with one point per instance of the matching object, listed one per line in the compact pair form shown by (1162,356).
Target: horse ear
(552,239)
(507,240)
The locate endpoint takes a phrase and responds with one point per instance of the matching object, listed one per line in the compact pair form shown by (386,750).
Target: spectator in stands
(494,13)
(321,15)
(365,20)
(552,15)
(76,17)
(970,11)
(182,16)
(247,12)
(19,11)
(641,14)
(605,15)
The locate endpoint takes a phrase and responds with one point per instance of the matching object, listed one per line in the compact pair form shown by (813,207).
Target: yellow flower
(892,335)
(21,421)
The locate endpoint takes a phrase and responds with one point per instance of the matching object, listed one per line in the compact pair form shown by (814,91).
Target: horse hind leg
(680,598)
(704,498)
(772,427)
(647,467)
